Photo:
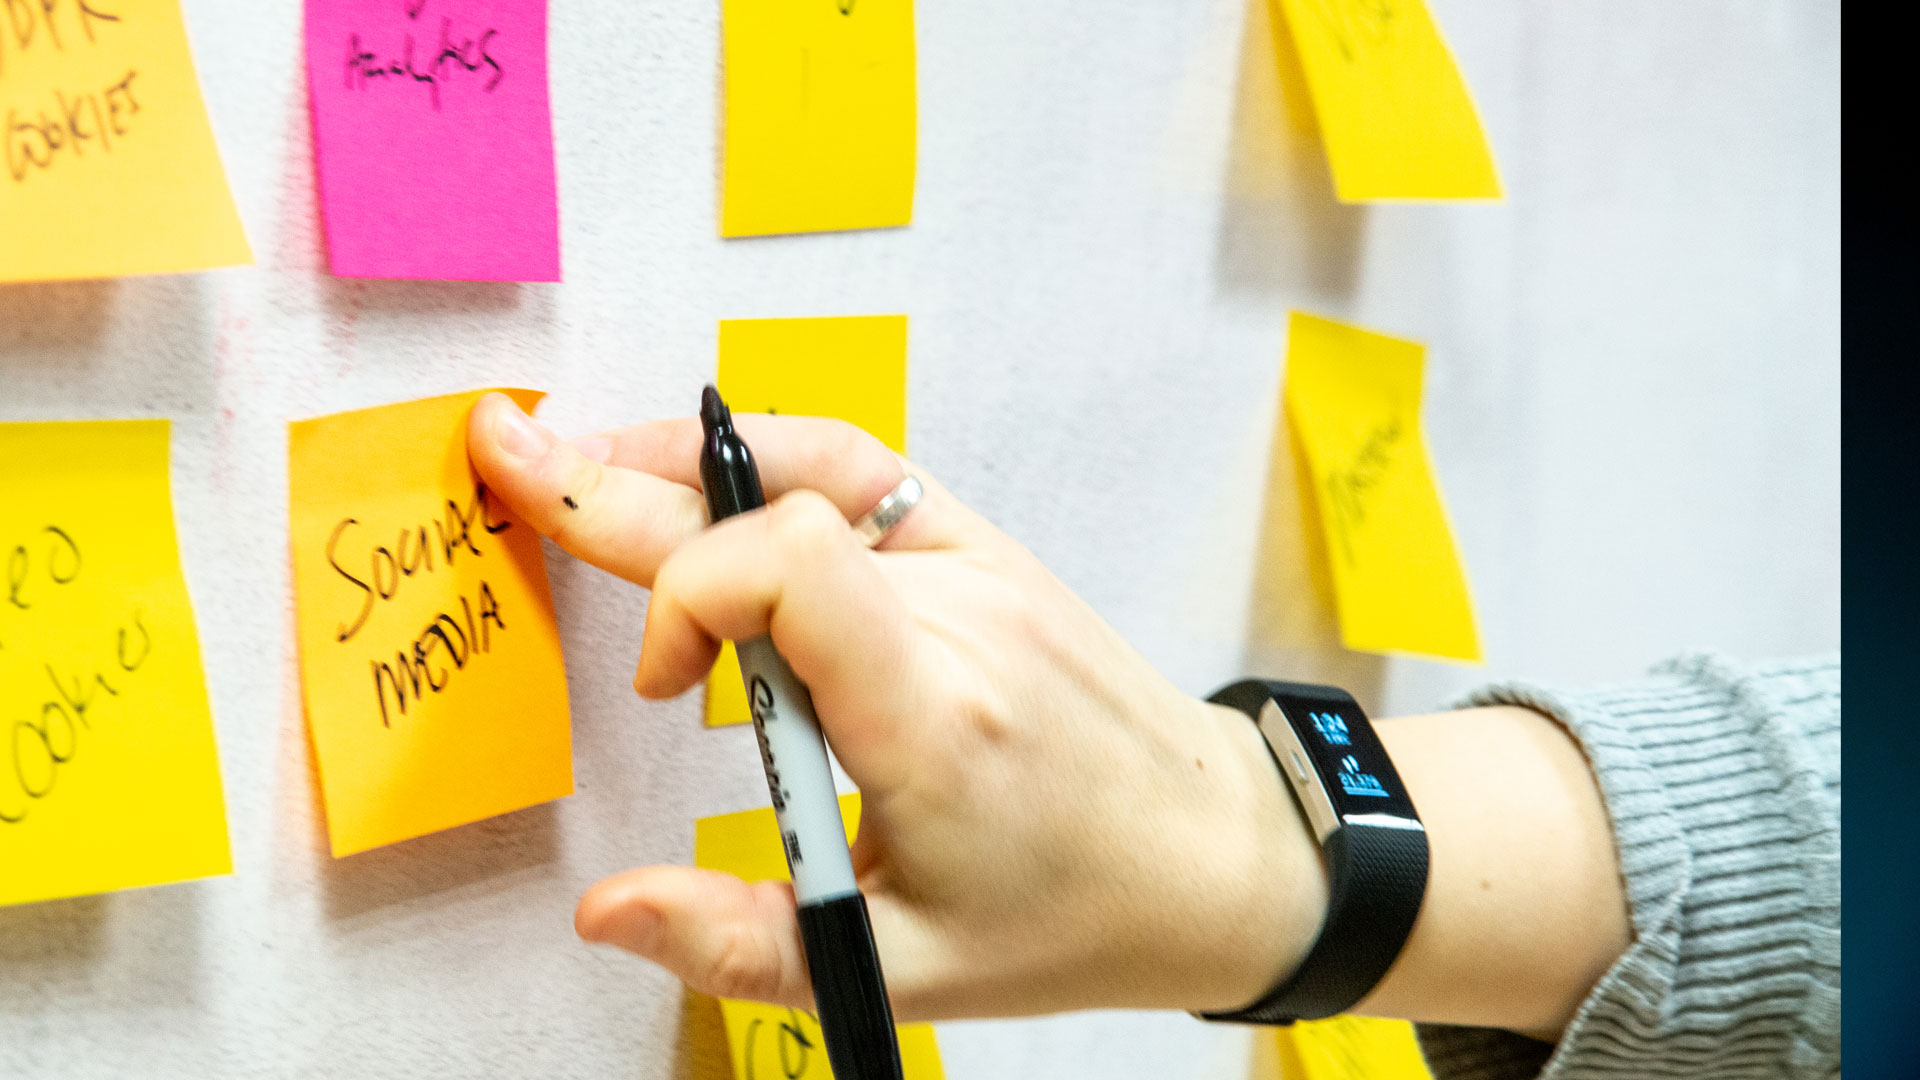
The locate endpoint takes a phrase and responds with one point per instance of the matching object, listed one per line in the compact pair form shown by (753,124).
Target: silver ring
(874,526)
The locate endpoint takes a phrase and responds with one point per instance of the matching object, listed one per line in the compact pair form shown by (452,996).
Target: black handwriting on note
(411,553)
(17,569)
(1354,24)
(68,122)
(456,56)
(62,119)
(794,1046)
(29,21)
(415,670)
(41,742)
(1352,482)
(139,655)
(424,663)
(34,748)
(61,550)
(27,579)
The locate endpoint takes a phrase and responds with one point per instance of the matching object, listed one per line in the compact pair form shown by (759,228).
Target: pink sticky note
(433,140)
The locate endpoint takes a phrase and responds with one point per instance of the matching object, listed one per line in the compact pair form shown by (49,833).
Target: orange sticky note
(111,166)
(429,656)
(108,773)
(774,1040)
(1353,400)
(1394,112)
(852,368)
(820,125)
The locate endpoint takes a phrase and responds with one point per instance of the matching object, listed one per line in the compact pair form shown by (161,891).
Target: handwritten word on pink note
(433,140)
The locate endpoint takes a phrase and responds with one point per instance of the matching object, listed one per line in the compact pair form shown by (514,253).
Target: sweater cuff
(1722,787)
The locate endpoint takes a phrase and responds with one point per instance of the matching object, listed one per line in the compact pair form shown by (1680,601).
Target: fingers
(851,468)
(620,520)
(797,571)
(633,495)
(719,934)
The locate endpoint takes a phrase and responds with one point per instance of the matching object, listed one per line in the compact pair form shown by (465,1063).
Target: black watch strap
(1378,877)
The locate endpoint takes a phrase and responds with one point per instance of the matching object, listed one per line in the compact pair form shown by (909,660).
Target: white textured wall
(1633,406)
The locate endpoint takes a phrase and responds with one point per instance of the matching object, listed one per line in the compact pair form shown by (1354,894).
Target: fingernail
(520,436)
(595,447)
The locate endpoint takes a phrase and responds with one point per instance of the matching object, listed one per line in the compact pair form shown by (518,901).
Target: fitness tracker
(1374,844)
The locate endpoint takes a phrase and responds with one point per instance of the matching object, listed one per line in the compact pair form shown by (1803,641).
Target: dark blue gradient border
(1880,522)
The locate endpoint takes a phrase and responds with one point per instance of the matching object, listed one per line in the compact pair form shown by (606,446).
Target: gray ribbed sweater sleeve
(1723,785)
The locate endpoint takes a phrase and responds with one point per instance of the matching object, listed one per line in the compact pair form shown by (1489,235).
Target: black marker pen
(847,986)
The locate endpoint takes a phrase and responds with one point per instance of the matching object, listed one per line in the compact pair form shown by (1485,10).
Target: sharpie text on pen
(760,704)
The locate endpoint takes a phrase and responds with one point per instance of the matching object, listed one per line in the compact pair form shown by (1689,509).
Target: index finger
(851,468)
(829,456)
(633,497)
(624,521)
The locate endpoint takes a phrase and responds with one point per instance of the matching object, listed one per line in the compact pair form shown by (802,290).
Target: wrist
(1273,920)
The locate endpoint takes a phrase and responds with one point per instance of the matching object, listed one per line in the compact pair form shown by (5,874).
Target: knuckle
(840,447)
(988,716)
(806,521)
(1014,611)
(671,601)
(666,582)
(843,442)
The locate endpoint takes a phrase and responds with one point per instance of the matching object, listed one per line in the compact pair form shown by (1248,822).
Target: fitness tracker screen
(1352,764)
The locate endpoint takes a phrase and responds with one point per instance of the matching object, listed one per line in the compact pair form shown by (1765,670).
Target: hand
(1047,824)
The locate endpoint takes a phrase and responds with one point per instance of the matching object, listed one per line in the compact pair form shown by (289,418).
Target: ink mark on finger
(568,499)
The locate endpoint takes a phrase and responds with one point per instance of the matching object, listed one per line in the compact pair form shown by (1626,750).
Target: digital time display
(1352,764)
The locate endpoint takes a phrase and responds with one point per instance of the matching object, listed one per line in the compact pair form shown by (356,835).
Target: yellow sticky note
(429,656)
(108,774)
(820,115)
(1352,1048)
(1395,115)
(851,368)
(726,690)
(111,166)
(1353,402)
(773,1040)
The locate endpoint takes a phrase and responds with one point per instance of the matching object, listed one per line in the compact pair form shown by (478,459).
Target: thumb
(727,938)
(720,935)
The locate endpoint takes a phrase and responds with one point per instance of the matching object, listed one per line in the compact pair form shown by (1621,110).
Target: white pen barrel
(798,776)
